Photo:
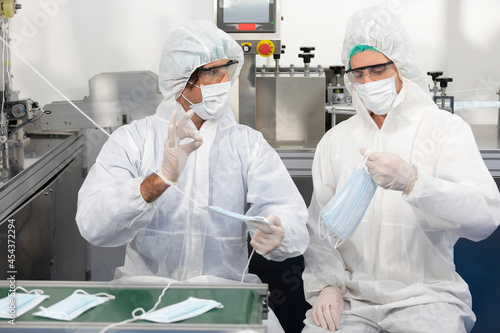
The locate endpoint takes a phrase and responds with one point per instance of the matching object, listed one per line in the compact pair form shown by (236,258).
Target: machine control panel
(263,47)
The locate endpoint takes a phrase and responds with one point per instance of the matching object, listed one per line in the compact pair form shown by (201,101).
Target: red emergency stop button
(265,48)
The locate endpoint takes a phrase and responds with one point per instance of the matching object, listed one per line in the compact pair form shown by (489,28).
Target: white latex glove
(267,237)
(328,307)
(175,155)
(390,171)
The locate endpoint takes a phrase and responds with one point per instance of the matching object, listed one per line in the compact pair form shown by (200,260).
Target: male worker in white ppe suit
(396,272)
(210,158)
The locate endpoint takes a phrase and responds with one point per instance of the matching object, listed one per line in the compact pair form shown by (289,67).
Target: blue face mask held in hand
(344,211)
(17,304)
(73,305)
(241,217)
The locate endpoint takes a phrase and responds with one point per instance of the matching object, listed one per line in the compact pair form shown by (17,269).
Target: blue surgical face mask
(344,211)
(237,216)
(17,304)
(73,305)
(215,100)
(189,308)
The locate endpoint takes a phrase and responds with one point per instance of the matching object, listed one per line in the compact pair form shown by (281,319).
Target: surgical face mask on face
(378,96)
(17,304)
(215,100)
(73,305)
(344,211)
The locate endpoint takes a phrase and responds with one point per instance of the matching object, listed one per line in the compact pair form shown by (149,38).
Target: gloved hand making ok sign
(175,155)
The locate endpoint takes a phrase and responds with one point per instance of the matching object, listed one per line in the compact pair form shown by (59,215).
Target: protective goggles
(374,72)
(216,74)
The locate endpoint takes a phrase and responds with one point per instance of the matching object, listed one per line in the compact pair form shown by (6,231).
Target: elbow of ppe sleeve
(465,210)
(104,220)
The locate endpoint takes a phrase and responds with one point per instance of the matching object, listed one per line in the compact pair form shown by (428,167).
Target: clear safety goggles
(216,74)
(374,72)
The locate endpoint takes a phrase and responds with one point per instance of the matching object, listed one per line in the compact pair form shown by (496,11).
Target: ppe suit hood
(376,26)
(189,47)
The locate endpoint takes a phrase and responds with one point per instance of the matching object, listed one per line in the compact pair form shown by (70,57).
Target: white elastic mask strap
(33,291)
(187,99)
(19,287)
(319,229)
(135,316)
(365,157)
(246,267)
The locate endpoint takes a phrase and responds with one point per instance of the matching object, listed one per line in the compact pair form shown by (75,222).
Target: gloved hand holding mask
(267,237)
(328,307)
(175,155)
(390,171)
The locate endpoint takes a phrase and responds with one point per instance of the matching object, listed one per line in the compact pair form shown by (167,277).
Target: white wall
(69,41)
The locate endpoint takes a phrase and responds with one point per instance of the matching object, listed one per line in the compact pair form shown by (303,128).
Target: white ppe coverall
(396,272)
(234,169)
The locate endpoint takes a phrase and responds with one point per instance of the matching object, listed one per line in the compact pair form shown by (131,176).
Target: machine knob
(246,47)
(307,57)
(337,70)
(307,49)
(434,75)
(443,81)
(265,48)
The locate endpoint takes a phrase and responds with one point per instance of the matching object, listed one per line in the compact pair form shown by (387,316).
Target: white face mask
(378,96)
(215,100)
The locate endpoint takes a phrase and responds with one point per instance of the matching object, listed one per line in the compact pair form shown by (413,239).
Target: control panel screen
(246,15)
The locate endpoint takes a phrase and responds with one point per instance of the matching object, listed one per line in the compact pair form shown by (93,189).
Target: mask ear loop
(327,234)
(246,267)
(134,312)
(33,291)
(104,295)
(365,158)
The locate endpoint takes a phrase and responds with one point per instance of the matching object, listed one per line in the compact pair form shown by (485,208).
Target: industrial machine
(15,113)
(285,104)
(40,174)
